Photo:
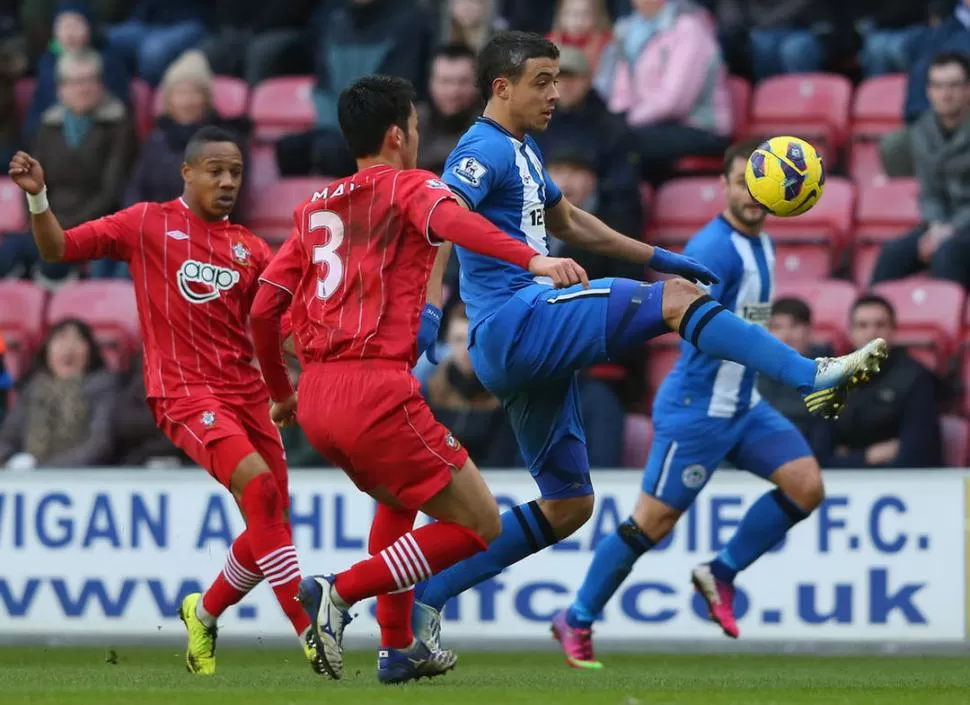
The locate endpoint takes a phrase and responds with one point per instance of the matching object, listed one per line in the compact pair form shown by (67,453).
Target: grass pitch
(156,676)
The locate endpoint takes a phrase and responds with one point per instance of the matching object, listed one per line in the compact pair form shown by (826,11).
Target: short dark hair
(875,300)
(454,50)
(739,150)
(794,307)
(505,55)
(369,107)
(207,135)
(952,57)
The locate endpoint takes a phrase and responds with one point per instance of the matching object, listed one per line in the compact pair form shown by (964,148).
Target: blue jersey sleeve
(472,171)
(553,194)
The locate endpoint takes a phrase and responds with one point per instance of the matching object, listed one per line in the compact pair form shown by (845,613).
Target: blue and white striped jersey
(746,267)
(502,178)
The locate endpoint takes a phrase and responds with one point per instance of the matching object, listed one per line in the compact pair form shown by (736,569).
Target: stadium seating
(740,103)
(637,437)
(281,106)
(109,307)
(883,212)
(21,321)
(230,98)
(877,108)
(806,246)
(662,353)
(830,300)
(956,441)
(865,163)
(13,208)
(929,317)
(270,213)
(814,106)
(681,206)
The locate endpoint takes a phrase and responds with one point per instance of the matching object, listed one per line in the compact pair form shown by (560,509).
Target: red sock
(414,557)
(239,575)
(393,609)
(272,545)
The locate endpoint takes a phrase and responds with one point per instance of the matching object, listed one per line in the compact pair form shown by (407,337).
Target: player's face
(533,97)
(744,209)
(215,178)
(870,321)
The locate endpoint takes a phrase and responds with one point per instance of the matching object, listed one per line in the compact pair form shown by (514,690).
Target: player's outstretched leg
(799,491)
(200,612)
(710,327)
(400,658)
(467,521)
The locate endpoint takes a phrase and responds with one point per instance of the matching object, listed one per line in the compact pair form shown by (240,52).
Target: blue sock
(613,561)
(764,525)
(525,530)
(713,329)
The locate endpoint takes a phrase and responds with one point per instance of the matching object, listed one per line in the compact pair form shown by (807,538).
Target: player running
(356,271)
(195,275)
(708,411)
(527,341)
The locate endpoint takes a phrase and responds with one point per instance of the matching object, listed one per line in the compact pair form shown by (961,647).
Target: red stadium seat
(281,106)
(662,353)
(270,212)
(637,437)
(865,163)
(13,208)
(884,212)
(230,98)
(877,108)
(140,97)
(261,169)
(929,316)
(682,206)
(109,307)
(23,94)
(956,441)
(814,106)
(21,320)
(740,91)
(830,300)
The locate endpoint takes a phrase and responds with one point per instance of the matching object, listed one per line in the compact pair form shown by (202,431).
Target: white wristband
(37,204)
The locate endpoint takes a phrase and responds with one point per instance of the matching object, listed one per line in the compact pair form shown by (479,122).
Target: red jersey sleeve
(422,192)
(111,237)
(286,269)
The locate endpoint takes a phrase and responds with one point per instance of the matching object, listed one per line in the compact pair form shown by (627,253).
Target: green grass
(81,676)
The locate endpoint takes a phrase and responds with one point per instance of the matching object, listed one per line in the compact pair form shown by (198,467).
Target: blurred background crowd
(106,93)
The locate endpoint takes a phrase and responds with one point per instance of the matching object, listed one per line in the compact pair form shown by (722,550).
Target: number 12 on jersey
(326,256)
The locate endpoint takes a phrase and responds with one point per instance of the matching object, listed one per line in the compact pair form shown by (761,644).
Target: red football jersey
(358,265)
(194,284)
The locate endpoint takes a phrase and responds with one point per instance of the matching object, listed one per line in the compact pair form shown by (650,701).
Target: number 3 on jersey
(326,256)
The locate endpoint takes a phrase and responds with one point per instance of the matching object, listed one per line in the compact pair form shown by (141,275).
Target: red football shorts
(218,433)
(369,418)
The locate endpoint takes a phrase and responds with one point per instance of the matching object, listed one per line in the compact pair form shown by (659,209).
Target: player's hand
(428,332)
(562,270)
(283,413)
(26,172)
(671,263)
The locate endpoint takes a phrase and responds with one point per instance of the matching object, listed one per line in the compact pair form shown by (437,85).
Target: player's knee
(261,498)
(654,518)
(678,295)
(489,524)
(565,516)
(803,484)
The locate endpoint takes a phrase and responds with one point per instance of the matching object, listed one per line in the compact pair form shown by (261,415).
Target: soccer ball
(786,176)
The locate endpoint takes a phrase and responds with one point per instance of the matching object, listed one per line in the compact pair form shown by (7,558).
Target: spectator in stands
(892,31)
(465,407)
(951,36)
(158,31)
(452,108)
(257,39)
(86,143)
(65,407)
(940,142)
(791,323)
(894,421)
(584,128)
(358,38)
(73,32)
(665,72)
(470,22)
(583,25)
(137,440)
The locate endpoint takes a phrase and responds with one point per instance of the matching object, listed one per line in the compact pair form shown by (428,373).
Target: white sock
(204,617)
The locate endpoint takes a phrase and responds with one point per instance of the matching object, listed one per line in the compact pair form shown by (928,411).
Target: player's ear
(500,87)
(186,172)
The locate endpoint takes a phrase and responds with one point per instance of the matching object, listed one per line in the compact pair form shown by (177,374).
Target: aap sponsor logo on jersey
(200,282)
(470,171)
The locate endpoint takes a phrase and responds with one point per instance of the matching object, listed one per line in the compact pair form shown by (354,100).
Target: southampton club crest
(208,419)
(241,254)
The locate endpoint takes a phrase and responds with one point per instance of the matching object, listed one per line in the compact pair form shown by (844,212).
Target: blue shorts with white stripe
(689,445)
